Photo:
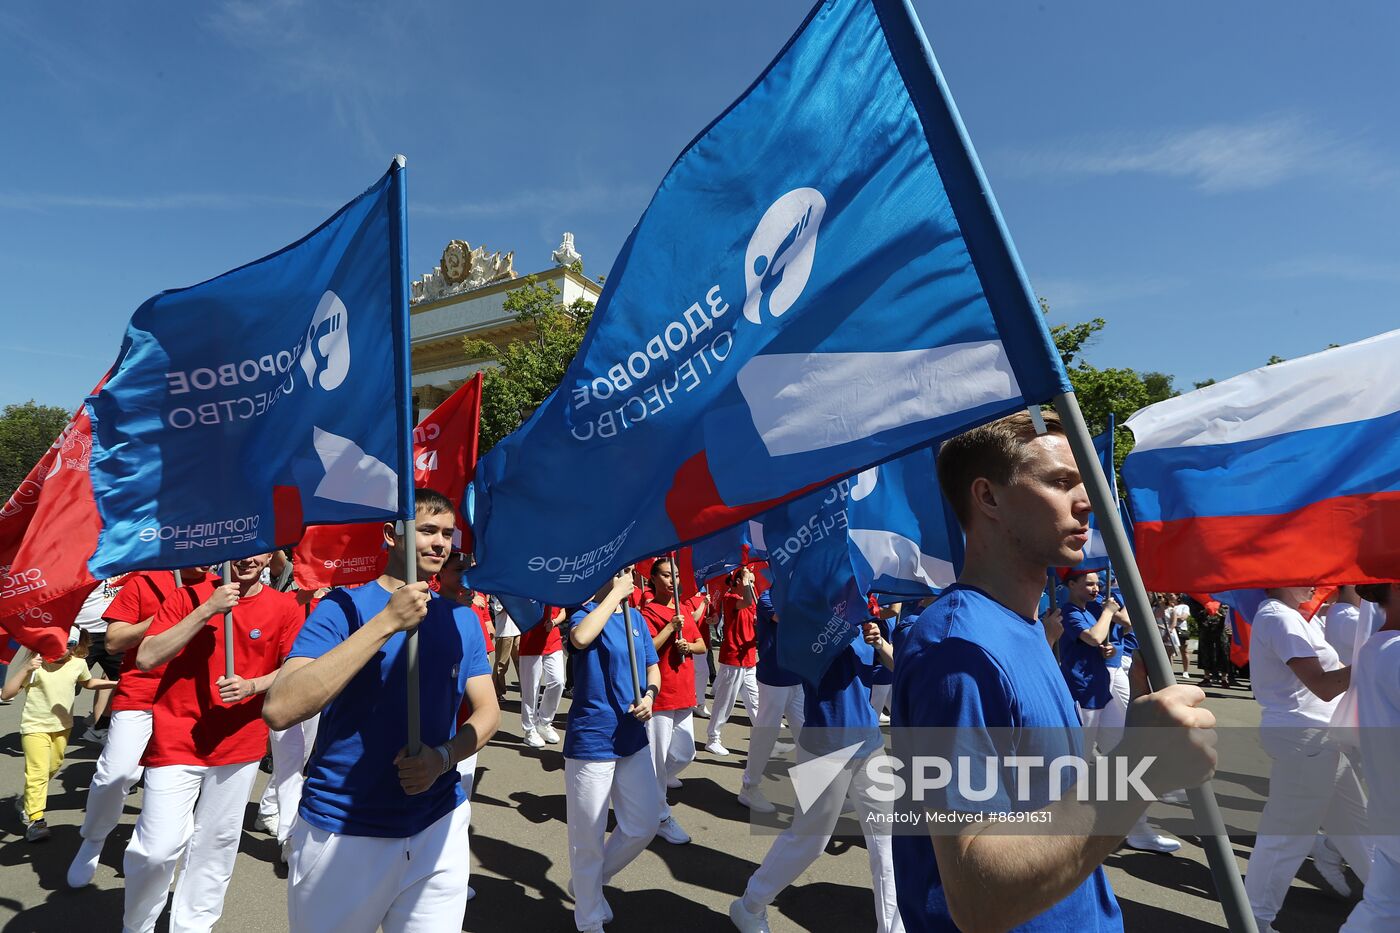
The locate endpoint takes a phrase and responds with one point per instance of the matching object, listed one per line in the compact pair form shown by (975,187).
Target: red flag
(1320,595)
(444,458)
(48,530)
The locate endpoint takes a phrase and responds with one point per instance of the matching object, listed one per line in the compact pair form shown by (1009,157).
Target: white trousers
(880,697)
(630,784)
(1311,786)
(358,884)
(773,704)
(1379,910)
(671,735)
(1102,725)
(702,678)
(733,683)
(215,798)
(118,770)
(799,845)
(541,686)
(282,796)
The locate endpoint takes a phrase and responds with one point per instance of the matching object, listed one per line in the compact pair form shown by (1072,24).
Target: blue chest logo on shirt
(255,633)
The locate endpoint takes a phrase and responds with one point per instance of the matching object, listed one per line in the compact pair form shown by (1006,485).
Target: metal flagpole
(1224,871)
(228,625)
(631,653)
(179,580)
(676,595)
(408,534)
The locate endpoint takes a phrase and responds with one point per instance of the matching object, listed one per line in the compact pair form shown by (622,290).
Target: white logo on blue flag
(780,254)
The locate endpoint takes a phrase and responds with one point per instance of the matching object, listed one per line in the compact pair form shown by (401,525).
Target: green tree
(26,431)
(532,368)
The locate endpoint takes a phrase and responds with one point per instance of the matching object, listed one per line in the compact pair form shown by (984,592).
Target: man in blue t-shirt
(779,694)
(381,838)
(1085,647)
(840,722)
(977,662)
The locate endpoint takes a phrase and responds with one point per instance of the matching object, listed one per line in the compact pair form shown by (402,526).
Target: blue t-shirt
(1083,665)
(352,784)
(770,672)
(599,727)
(1125,640)
(837,711)
(969,663)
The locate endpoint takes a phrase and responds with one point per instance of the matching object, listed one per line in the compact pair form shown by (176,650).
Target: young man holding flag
(376,821)
(977,661)
(206,740)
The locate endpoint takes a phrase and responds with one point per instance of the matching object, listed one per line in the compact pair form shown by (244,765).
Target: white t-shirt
(1182,613)
(1376,681)
(90,616)
(1281,634)
(1342,624)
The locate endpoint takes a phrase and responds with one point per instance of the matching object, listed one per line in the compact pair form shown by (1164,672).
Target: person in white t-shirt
(1181,613)
(1377,686)
(1298,680)
(1342,622)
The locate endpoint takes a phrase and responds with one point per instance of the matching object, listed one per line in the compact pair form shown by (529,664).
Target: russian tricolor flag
(1288,475)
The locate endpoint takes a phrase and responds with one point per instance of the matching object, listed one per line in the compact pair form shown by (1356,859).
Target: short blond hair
(995,451)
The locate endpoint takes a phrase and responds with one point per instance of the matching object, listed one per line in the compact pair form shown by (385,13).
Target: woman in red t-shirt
(738,653)
(675,632)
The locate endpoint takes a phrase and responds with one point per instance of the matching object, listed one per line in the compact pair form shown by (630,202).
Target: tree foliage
(528,370)
(26,431)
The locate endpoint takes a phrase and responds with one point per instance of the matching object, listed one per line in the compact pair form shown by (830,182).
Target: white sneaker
(1328,862)
(672,832)
(1153,842)
(782,748)
(532,739)
(745,921)
(1264,926)
(884,719)
(753,798)
(714,748)
(1177,797)
(19,808)
(674,783)
(549,735)
(702,711)
(84,866)
(267,822)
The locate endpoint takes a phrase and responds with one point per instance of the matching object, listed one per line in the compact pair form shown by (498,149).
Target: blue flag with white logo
(903,535)
(818,590)
(719,553)
(271,397)
(822,282)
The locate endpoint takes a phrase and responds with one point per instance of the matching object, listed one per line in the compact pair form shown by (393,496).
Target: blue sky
(1219,181)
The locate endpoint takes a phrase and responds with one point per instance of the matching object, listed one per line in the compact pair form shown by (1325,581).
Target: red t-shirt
(192,726)
(739,646)
(677,669)
(140,598)
(543,638)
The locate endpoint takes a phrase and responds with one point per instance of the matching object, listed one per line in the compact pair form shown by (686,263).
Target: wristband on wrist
(445,750)
(652,691)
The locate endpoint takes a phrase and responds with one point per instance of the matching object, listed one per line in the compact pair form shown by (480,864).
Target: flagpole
(631,654)
(179,580)
(228,625)
(1223,868)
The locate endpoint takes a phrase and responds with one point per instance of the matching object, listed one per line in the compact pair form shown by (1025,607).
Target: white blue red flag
(822,282)
(269,398)
(1288,475)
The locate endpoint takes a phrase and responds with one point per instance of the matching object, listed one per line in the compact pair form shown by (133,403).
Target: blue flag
(822,282)
(273,396)
(903,535)
(818,591)
(1095,551)
(719,553)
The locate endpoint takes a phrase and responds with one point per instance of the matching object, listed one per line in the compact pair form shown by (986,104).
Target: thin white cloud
(1218,157)
(1343,268)
(43,201)
(1099,295)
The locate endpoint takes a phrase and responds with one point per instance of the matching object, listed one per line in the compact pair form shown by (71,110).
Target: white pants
(215,797)
(799,845)
(671,735)
(1379,910)
(1102,725)
(702,678)
(733,683)
(630,784)
(536,671)
(358,884)
(282,796)
(118,770)
(880,697)
(773,704)
(1311,786)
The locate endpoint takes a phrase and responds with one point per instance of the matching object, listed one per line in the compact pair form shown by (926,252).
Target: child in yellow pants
(46,721)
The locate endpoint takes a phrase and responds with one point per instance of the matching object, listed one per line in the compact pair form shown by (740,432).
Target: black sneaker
(38,831)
